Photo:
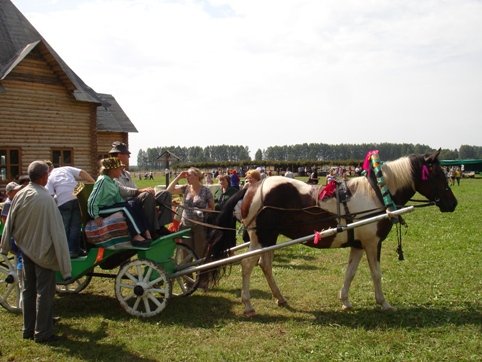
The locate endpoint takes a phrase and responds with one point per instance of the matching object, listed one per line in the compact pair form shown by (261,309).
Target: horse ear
(432,157)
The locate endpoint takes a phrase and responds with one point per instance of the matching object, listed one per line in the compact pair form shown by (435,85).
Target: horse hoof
(386,306)
(281,303)
(250,313)
(389,309)
(347,307)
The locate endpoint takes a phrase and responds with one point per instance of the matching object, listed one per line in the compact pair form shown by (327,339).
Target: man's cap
(12,186)
(112,163)
(119,147)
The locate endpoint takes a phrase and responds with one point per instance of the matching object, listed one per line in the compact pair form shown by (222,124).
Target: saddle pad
(113,234)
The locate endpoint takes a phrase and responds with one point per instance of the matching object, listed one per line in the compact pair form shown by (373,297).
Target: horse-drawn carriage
(275,206)
(143,284)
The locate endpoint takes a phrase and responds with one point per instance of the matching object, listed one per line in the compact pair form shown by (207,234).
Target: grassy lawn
(436,291)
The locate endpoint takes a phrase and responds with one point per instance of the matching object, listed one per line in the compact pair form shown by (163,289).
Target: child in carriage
(11,190)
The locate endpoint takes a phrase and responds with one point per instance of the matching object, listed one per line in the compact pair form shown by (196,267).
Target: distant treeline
(281,156)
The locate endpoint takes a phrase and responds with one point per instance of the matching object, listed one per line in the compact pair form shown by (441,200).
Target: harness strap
(341,186)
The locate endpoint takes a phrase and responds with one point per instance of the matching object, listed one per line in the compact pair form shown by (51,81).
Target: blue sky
(265,73)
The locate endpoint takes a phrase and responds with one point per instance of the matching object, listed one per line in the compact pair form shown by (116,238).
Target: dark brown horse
(280,205)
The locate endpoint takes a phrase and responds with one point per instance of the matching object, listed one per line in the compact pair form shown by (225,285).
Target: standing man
(147,198)
(36,225)
(61,185)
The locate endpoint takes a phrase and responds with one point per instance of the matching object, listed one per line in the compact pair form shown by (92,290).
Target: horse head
(431,182)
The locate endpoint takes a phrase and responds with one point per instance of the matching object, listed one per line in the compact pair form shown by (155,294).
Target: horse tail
(220,240)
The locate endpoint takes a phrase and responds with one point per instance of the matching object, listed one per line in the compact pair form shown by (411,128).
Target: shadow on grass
(84,344)
(409,318)
(207,310)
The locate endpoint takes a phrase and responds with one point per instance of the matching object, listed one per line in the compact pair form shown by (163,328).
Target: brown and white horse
(290,207)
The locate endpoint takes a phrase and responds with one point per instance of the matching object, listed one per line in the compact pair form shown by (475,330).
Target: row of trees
(300,154)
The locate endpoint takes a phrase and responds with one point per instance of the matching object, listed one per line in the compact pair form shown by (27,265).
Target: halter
(426,177)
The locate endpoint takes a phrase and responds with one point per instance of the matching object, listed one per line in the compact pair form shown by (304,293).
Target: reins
(426,203)
(199,222)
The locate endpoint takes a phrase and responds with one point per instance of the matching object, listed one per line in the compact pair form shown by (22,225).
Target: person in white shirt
(61,185)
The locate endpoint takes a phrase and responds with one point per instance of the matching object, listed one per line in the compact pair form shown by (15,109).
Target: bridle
(435,190)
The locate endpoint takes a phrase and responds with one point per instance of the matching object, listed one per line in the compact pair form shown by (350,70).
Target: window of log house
(9,164)
(62,157)
(101,156)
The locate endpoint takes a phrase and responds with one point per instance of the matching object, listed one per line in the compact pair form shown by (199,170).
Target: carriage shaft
(329,232)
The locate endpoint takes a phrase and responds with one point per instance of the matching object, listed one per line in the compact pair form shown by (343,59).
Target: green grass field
(436,291)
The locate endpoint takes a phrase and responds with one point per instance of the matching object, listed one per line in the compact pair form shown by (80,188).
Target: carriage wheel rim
(10,289)
(142,288)
(75,287)
(184,285)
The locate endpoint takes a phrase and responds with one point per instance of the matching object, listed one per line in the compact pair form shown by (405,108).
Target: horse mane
(399,174)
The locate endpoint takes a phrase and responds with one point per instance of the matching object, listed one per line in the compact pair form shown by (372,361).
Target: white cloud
(264,73)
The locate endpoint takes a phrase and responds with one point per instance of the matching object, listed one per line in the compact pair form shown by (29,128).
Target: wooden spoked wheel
(142,288)
(75,287)
(184,285)
(10,284)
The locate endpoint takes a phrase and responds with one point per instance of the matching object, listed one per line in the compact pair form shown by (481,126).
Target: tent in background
(469,165)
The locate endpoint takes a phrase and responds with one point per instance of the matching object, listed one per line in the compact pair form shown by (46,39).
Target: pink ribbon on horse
(366,164)
(317,237)
(425,173)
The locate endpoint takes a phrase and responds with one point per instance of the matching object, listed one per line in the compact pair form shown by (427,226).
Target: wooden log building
(46,110)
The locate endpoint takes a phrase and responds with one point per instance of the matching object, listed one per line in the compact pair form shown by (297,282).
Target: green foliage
(437,291)
(259,155)
(470,152)
(280,156)
(151,160)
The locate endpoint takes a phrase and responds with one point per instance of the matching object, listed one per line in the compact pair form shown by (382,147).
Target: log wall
(38,113)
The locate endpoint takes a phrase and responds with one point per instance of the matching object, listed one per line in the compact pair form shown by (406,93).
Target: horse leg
(376,273)
(266,264)
(353,262)
(247,266)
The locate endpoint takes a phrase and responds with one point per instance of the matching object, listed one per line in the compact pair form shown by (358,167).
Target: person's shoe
(56,319)
(163,231)
(82,252)
(28,336)
(52,338)
(154,236)
(141,243)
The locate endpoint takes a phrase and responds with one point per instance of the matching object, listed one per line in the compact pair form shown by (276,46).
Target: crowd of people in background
(453,174)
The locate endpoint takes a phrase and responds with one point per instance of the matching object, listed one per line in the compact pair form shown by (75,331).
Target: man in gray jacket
(147,198)
(34,221)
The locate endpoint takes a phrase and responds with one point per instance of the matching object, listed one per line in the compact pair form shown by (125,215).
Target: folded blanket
(113,234)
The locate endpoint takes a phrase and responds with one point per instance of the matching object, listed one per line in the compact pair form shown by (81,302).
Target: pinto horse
(279,205)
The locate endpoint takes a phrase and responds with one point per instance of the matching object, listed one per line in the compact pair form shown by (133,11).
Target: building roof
(18,38)
(112,118)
